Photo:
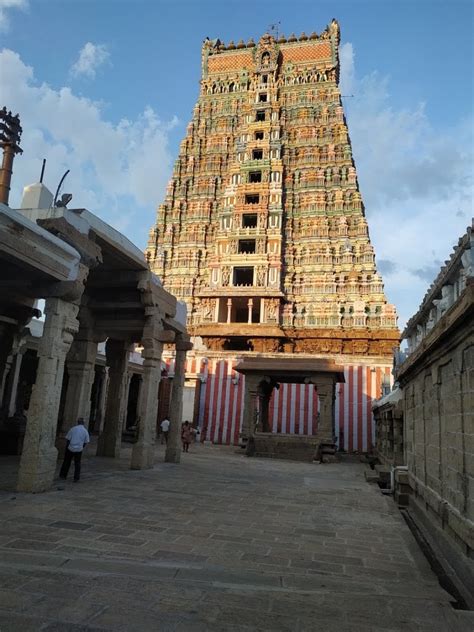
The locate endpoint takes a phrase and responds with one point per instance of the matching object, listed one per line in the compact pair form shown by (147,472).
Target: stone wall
(437,379)
(439,437)
(388,420)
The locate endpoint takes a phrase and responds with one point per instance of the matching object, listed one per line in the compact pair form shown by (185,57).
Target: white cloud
(117,171)
(416,182)
(91,57)
(5,5)
(347,77)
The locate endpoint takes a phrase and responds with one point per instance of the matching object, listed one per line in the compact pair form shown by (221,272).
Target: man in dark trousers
(76,440)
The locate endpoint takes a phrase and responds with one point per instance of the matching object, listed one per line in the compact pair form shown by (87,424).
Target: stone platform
(219,543)
(286,446)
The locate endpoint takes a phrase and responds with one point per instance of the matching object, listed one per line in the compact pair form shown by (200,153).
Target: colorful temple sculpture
(263,234)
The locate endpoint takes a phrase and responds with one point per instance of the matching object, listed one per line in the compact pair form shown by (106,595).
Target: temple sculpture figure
(263,231)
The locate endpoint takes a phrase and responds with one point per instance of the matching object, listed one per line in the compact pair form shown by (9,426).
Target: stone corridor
(220,542)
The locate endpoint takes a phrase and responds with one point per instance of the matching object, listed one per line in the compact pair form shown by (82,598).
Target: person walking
(186,435)
(165,430)
(76,440)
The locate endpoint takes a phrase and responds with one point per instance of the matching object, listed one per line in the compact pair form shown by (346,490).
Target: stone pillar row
(58,346)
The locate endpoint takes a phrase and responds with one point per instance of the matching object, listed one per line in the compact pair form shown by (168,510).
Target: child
(186,435)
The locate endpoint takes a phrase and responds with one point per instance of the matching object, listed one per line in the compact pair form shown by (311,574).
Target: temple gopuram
(263,234)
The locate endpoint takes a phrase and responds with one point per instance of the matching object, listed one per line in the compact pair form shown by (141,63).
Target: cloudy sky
(106,89)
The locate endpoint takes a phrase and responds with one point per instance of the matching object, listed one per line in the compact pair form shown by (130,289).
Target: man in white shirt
(165,428)
(76,440)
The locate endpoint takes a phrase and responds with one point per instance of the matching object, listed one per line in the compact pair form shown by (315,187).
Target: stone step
(401,476)
(383,472)
(330,458)
(329,450)
(286,457)
(371,476)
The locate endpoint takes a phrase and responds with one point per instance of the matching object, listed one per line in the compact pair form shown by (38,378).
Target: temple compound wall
(434,404)
(263,234)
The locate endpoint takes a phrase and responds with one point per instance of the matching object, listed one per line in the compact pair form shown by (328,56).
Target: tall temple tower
(263,231)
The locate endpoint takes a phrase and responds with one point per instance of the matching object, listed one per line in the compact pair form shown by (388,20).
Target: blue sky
(106,88)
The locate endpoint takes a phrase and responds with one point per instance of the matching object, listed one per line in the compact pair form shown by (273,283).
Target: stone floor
(219,542)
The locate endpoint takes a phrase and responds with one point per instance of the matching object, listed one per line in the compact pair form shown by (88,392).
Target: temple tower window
(249,220)
(255,176)
(246,246)
(243,275)
(252,198)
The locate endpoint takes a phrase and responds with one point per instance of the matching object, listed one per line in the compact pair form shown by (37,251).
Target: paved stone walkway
(220,542)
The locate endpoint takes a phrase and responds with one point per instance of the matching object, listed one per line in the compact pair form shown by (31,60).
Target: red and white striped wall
(293,407)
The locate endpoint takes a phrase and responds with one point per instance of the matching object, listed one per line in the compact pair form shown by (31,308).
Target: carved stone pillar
(110,439)
(104,387)
(173,447)
(39,456)
(250,307)
(124,410)
(11,374)
(229,310)
(95,395)
(264,412)
(6,343)
(250,406)
(80,364)
(4,385)
(326,395)
(12,388)
(143,449)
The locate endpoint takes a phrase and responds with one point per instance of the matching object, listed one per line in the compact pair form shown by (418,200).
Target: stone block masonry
(437,380)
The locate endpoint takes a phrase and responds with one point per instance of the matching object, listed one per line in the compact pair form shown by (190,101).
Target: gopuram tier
(263,231)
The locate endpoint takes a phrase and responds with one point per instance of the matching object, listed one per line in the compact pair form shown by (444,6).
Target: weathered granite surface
(220,542)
